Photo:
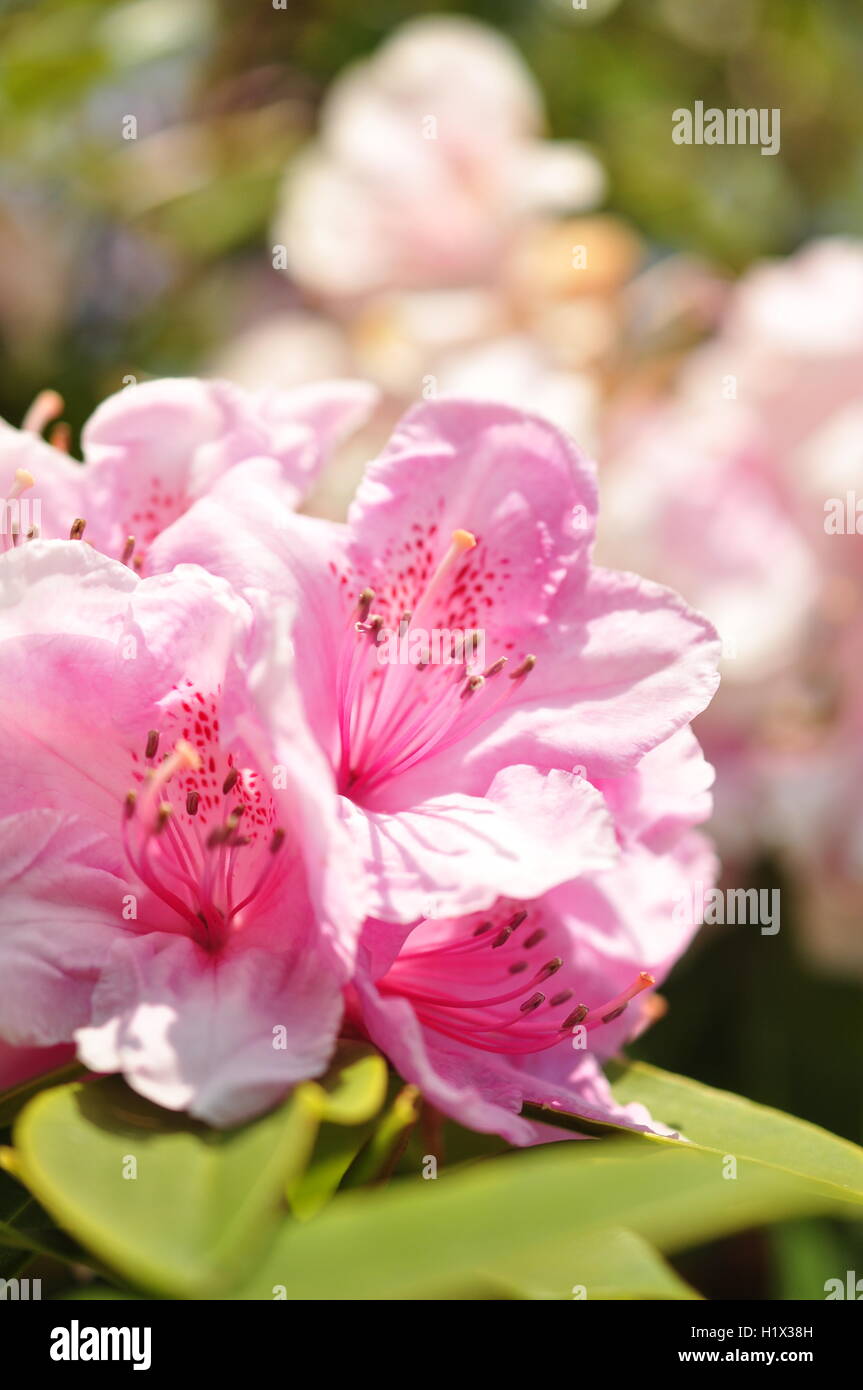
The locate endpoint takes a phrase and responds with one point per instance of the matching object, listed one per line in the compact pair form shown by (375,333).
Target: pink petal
(512,480)
(197,1032)
(456,854)
(62,891)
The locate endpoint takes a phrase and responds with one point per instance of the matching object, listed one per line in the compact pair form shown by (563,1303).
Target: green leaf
(388,1140)
(732,1125)
(425,1239)
(335,1151)
(805,1254)
(350,1095)
(355,1086)
(611,1264)
(14,1100)
(203,1202)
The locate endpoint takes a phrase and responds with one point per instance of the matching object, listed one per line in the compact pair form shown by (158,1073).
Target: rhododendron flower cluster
(430,156)
(742,487)
(236,825)
(433,234)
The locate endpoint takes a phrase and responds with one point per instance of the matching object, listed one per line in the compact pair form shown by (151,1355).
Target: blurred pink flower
(429,157)
(178,896)
(724,490)
(524,1003)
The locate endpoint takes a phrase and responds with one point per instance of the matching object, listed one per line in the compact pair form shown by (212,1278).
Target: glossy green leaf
(350,1096)
(611,1264)
(203,1201)
(14,1100)
(425,1239)
(388,1140)
(336,1149)
(355,1086)
(733,1125)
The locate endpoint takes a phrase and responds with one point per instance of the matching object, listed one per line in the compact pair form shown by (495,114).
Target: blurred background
(487,198)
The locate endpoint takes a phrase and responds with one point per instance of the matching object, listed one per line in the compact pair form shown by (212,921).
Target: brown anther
(506,932)
(277,841)
(577,1016)
(471,684)
(76,532)
(130,804)
(152,744)
(364,606)
(482,928)
(534,938)
(551,968)
(192,799)
(615,1013)
(517,967)
(231,781)
(128,550)
(163,815)
(561,998)
(138,563)
(532,1003)
(495,667)
(524,669)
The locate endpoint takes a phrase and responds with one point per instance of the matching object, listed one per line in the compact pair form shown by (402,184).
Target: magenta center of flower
(489,988)
(418,685)
(199,831)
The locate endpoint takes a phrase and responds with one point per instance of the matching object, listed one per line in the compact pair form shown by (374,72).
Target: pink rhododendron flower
(522,1004)
(729,489)
(169,899)
(150,450)
(476,519)
(428,159)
